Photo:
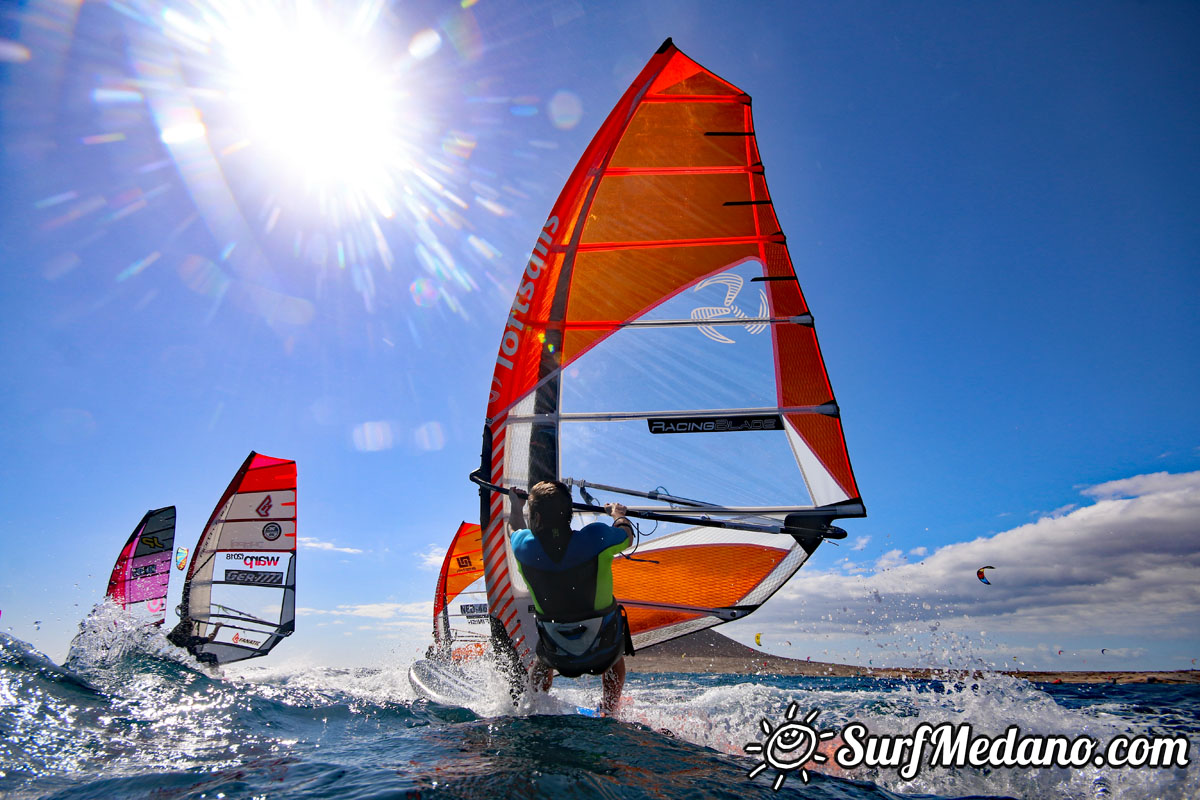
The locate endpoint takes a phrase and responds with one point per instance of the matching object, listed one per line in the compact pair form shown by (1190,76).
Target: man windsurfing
(181,636)
(581,628)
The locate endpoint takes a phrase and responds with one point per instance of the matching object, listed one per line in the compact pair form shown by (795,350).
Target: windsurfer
(581,627)
(181,636)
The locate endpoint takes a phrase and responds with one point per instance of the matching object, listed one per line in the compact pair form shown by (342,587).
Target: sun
(313,96)
(790,746)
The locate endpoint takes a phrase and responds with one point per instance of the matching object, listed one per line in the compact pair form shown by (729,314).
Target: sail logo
(733,287)
(152,541)
(264,508)
(747,422)
(272,531)
(533,270)
(238,638)
(141,572)
(257,578)
(251,561)
(464,562)
(474,611)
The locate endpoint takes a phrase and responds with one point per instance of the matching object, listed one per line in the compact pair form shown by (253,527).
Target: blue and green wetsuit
(580,626)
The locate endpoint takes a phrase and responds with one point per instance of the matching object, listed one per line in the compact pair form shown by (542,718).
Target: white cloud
(316,544)
(860,543)
(433,557)
(1124,566)
(890,560)
(1061,511)
(1154,483)
(919,552)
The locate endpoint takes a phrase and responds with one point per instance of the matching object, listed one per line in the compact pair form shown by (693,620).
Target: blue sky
(991,208)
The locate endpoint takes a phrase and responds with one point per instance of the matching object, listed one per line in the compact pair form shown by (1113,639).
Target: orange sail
(460,601)
(659,348)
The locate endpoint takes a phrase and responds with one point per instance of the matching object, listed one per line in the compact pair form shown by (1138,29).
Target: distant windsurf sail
(139,578)
(659,349)
(240,595)
(460,608)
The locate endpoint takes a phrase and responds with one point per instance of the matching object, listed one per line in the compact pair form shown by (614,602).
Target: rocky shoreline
(709,652)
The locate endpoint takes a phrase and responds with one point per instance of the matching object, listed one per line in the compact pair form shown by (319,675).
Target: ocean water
(133,717)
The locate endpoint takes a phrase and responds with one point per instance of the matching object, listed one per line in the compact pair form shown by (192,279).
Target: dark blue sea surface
(141,720)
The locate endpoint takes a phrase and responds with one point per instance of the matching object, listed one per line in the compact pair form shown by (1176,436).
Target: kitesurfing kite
(979,574)
(239,598)
(659,338)
(181,557)
(758,639)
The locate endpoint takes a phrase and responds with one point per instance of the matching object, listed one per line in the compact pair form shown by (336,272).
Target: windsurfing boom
(659,348)
(239,599)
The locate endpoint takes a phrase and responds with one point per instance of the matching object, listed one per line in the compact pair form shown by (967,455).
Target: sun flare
(313,96)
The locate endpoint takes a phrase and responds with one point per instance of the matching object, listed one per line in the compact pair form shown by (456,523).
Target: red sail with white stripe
(660,353)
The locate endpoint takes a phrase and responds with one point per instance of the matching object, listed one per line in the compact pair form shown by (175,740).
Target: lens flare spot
(103,138)
(493,206)
(184,132)
(138,266)
(14,52)
(203,276)
(483,247)
(372,437)
(113,96)
(424,293)
(60,265)
(523,109)
(425,44)
(458,144)
(430,437)
(465,35)
(566,109)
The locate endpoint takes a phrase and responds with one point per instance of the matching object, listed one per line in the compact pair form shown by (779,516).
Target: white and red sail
(243,570)
(659,347)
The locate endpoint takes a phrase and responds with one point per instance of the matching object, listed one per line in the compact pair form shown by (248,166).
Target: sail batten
(659,340)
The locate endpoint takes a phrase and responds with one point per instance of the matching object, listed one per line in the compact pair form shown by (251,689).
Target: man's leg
(613,681)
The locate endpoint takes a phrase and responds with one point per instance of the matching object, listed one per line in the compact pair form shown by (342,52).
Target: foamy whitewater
(130,716)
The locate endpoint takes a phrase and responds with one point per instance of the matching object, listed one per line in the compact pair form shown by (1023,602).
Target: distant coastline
(710,652)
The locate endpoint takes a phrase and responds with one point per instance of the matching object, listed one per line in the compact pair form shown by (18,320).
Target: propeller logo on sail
(733,284)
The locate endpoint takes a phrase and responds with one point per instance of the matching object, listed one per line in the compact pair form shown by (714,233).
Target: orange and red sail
(659,341)
(459,601)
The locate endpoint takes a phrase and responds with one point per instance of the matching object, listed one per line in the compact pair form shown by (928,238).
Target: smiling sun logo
(790,746)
